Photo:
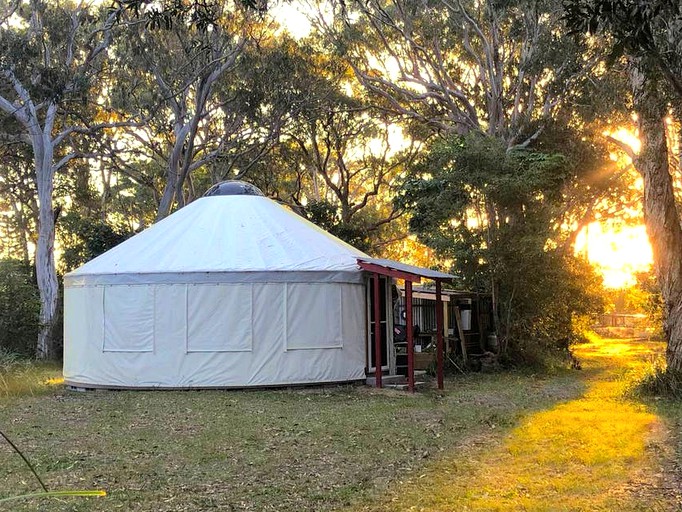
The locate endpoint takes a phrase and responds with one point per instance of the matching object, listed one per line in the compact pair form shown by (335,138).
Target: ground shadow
(583,454)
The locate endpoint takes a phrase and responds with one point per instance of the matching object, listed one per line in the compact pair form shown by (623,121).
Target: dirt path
(600,452)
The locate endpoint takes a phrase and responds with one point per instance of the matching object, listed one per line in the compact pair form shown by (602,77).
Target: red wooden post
(410,336)
(377,332)
(439,334)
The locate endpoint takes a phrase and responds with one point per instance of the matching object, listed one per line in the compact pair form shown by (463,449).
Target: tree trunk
(660,211)
(166,199)
(46,272)
(180,132)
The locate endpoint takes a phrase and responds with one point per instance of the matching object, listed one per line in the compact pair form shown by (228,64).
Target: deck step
(385,379)
(394,380)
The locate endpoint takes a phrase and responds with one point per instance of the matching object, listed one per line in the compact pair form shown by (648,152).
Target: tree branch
(72,156)
(627,149)
(64,134)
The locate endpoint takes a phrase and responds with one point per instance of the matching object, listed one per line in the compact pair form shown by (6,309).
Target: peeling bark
(39,121)
(46,272)
(661,216)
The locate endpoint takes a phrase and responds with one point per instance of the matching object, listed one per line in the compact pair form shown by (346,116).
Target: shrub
(19,309)
(84,239)
(9,360)
(658,381)
(496,214)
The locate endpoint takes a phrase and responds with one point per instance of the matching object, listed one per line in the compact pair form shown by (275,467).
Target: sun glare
(617,252)
(628,137)
(292,19)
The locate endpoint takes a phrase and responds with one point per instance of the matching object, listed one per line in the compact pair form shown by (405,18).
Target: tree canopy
(469,132)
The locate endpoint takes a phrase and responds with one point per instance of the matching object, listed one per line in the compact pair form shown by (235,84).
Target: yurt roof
(227,233)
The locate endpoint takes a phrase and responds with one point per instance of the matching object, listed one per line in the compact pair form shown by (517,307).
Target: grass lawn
(489,442)
(600,451)
(285,450)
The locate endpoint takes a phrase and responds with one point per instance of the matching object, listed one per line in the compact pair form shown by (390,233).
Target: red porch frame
(411,275)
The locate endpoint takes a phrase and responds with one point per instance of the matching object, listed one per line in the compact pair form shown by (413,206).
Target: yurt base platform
(80,387)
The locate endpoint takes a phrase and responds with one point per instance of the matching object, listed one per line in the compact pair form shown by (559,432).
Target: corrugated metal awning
(401,270)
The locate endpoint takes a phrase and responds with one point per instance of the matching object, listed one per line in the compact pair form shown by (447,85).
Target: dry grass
(285,450)
(20,377)
(581,455)
(490,442)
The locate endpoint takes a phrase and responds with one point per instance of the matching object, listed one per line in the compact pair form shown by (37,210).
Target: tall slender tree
(52,55)
(188,78)
(648,35)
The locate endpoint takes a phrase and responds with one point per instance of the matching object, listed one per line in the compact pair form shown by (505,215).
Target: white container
(466,319)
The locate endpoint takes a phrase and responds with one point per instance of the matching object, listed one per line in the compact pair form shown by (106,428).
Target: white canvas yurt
(232,290)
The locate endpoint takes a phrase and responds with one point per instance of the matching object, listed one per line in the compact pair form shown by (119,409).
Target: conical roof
(233,233)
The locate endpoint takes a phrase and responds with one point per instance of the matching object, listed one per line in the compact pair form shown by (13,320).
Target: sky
(289,16)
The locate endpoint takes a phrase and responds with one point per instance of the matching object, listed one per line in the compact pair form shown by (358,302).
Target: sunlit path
(580,455)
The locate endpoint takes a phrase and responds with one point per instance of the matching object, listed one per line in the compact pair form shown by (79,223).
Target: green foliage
(38,58)
(334,161)
(494,213)
(635,25)
(471,199)
(85,239)
(19,308)
(9,360)
(646,297)
(548,315)
(648,30)
(163,15)
(326,216)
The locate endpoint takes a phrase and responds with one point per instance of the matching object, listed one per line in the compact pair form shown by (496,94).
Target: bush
(19,309)
(9,360)
(83,239)
(658,381)
(496,214)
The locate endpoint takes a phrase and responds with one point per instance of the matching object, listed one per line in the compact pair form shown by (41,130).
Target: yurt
(233,290)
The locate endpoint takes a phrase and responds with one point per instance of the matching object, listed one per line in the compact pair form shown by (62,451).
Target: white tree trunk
(29,112)
(46,272)
(170,190)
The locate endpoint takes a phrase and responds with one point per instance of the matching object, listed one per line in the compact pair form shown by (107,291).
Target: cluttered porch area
(447,327)
(469,336)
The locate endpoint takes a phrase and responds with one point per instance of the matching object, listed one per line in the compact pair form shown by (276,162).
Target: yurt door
(384,306)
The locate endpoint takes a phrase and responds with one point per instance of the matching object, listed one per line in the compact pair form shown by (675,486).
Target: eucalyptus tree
(262,98)
(17,201)
(491,80)
(506,70)
(52,57)
(500,68)
(648,34)
(499,215)
(349,155)
(186,79)
(342,154)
